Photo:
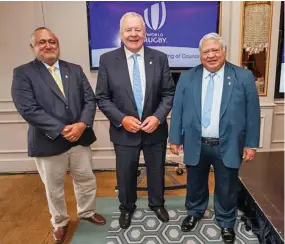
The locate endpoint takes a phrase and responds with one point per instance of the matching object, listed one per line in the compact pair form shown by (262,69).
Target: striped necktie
(56,78)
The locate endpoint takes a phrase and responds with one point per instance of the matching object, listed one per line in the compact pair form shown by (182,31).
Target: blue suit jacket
(41,103)
(239,115)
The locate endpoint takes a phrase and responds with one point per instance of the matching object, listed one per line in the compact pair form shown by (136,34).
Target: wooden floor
(24,216)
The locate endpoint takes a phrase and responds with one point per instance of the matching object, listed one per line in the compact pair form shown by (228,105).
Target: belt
(210,141)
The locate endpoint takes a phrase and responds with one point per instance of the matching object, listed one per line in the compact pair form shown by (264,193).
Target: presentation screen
(174,28)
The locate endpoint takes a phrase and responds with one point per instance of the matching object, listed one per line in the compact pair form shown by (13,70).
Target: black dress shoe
(228,235)
(189,223)
(125,220)
(161,214)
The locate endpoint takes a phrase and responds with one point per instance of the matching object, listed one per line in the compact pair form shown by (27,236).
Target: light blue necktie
(208,102)
(137,87)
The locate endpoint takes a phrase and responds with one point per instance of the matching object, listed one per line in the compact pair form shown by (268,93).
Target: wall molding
(94,149)
(279,101)
(26,151)
(27,164)
(277,141)
(266,105)
(13,151)
(5,100)
(262,130)
(271,150)
(278,113)
(18,121)
(274,141)
(8,111)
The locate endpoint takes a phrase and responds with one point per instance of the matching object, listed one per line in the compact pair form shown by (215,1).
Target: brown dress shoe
(96,219)
(59,234)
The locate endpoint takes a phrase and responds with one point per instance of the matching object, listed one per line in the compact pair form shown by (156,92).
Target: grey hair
(132,14)
(213,36)
(32,41)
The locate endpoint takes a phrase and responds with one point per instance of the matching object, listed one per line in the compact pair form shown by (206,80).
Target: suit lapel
(229,80)
(149,72)
(197,89)
(65,77)
(47,77)
(123,73)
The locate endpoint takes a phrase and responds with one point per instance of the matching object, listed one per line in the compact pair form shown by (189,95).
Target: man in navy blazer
(57,101)
(135,91)
(215,120)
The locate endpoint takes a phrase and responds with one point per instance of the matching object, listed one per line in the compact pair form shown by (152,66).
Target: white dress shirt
(213,129)
(130,61)
(57,70)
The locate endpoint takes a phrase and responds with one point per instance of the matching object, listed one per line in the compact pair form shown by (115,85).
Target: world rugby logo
(157,16)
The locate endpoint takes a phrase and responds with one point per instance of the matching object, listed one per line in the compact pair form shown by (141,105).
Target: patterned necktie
(56,78)
(208,102)
(137,87)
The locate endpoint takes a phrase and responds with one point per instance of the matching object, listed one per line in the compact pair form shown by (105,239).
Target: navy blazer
(116,100)
(41,103)
(239,115)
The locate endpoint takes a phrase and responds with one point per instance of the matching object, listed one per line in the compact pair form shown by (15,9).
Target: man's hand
(248,154)
(150,124)
(73,132)
(131,124)
(176,149)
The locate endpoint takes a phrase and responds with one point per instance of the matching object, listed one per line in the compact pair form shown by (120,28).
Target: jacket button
(66,107)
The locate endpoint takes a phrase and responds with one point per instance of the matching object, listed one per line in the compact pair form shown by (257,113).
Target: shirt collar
(219,73)
(129,53)
(56,65)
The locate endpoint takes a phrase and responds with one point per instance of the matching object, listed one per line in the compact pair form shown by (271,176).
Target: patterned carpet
(147,229)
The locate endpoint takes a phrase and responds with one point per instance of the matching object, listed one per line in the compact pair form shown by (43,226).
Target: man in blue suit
(216,120)
(57,101)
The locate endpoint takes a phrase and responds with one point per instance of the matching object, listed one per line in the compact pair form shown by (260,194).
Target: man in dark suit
(216,118)
(57,101)
(135,92)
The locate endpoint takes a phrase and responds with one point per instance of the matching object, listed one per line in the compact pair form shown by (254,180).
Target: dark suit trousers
(226,187)
(127,161)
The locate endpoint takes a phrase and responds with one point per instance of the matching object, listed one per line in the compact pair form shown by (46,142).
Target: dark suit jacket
(40,102)
(239,115)
(115,97)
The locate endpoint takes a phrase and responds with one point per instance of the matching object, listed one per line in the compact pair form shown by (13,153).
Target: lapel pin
(150,62)
(66,76)
(228,77)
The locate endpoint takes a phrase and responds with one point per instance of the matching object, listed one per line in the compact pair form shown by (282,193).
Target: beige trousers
(78,161)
